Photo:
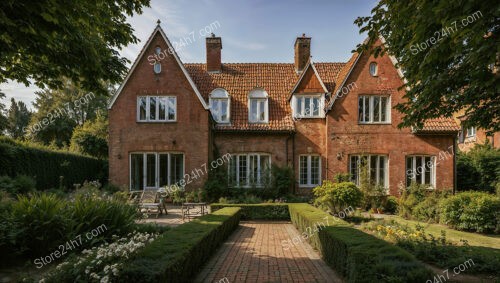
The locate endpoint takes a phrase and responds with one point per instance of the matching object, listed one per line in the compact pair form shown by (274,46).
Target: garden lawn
(473,239)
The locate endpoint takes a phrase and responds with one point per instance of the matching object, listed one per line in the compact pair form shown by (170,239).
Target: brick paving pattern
(254,253)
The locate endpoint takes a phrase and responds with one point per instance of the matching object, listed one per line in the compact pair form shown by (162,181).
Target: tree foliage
(91,138)
(449,53)
(3,119)
(42,41)
(18,117)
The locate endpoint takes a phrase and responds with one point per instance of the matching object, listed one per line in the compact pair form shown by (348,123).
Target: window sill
(308,186)
(374,123)
(156,122)
(252,122)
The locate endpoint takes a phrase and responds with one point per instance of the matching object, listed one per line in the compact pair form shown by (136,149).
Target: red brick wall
(345,136)
(190,134)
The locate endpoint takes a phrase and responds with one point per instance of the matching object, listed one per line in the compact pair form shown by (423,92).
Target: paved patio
(254,253)
(172,219)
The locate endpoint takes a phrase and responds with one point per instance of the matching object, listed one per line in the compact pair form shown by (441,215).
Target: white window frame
(377,170)
(471,132)
(157,109)
(309,183)
(432,182)
(302,113)
(375,72)
(220,94)
(236,158)
(258,95)
(157,168)
(371,114)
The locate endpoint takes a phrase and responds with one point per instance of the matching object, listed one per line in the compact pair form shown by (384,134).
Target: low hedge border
(261,211)
(357,256)
(178,254)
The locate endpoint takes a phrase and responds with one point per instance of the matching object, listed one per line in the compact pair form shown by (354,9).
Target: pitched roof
(439,125)
(277,79)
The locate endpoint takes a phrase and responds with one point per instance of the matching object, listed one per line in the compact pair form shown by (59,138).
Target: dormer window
(258,106)
(220,105)
(373,69)
(308,106)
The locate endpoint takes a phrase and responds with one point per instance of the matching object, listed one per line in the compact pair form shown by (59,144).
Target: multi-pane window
(369,167)
(309,170)
(156,108)
(248,170)
(308,106)
(374,109)
(154,170)
(219,105)
(420,169)
(471,132)
(258,106)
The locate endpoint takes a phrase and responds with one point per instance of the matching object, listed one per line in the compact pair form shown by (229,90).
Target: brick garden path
(254,253)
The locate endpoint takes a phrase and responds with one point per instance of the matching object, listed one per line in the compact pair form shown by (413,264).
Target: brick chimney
(302,52)
(214,46)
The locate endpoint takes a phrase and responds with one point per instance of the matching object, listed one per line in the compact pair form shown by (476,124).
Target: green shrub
(478,169)
(178,254)
(474,211)
(262,211)
(411,197)
(216,185)
(428,210)
(21,184)
(337,196)
(47,166)
(283,179)
(357,256)
(41,222)
(391,205)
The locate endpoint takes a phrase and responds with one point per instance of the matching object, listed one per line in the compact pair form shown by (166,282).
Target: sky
(251,31)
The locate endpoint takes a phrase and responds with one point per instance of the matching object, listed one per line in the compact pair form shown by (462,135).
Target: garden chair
(150,203)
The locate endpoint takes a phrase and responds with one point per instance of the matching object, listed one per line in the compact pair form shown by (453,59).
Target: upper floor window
(369,168)
(157,67)
(258,106)
(374,109)
(156,108)
(308,106)
(421,170)
(471,132)
(373,69)
(249,170)
(309,170)
(219,105)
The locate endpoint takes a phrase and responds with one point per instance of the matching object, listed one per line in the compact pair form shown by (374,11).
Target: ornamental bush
(337,196)
(473,211)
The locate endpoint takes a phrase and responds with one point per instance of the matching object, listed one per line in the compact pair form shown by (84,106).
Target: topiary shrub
(337,197)
(474,211)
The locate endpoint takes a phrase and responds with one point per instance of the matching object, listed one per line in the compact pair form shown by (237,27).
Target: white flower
(105,279)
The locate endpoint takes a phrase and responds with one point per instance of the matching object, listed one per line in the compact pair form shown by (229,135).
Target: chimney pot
(214,47)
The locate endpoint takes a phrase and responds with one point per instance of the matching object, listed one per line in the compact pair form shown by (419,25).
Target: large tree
(3,119)
(44,40)
(449,52)
(60,111)
(18,117)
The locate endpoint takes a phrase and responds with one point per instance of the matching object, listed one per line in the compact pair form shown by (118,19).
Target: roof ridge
(271,63)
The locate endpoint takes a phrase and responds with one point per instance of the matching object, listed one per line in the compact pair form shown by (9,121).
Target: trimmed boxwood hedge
(357,256)
(178,254)
(46,166)
(261,211)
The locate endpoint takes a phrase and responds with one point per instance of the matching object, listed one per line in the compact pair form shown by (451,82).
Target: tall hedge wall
(46,166)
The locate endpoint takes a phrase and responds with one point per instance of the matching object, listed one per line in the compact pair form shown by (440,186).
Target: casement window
(308,106)
(249,170)
(421,169)
(156,108)
(258,109)
(471,132)
(152,170)
(374,109)
(220,105)
(373,69)
(309,170)
(369,167)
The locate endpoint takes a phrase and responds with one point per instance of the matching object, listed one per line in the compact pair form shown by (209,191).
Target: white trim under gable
(310,63)
(177,59)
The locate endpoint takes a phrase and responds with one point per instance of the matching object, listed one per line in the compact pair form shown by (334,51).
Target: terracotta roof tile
(439,125)
(238,79)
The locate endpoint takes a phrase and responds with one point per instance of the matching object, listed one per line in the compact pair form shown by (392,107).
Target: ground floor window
(152,170)
(420,169)
(249,169)
(309,170)
(370,167)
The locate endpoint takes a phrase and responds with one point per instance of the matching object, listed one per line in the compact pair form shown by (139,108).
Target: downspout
(454,165)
